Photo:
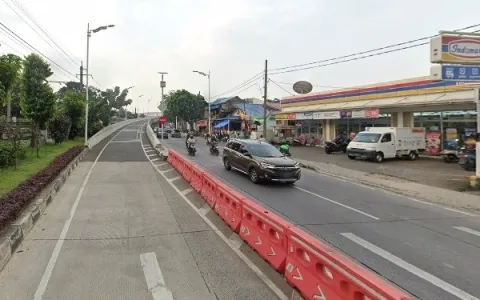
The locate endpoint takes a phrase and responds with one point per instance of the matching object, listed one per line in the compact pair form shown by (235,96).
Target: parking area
(429,171)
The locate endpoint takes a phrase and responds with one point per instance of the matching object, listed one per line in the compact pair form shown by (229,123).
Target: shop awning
(451,98)
(222,124)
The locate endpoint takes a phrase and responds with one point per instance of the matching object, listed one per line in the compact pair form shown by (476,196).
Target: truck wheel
(412,155)
(379,157)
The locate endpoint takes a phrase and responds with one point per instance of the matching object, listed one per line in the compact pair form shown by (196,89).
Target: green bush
(10,150)
(59,128)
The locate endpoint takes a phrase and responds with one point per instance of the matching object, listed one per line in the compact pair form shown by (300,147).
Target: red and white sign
(455,49)
(202,123)
(372,113)
(162,120)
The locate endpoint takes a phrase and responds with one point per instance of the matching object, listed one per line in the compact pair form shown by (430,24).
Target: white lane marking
(447,287)
(204,209)
(129,141)
(468,230)
(362,185)
(154,277)
(151,150)
(174,178)
(161,164)
(147,147)
(419,201)
(236,240)
(155,159)
(42,286)
(152,155)
(459,211)
(337,203)
(242,256)
(187,191)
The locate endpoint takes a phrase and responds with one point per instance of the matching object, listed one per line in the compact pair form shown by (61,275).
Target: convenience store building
(446,109)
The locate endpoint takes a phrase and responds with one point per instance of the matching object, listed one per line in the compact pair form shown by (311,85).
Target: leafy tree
(71,86)
(72,105)
(38,102)
(185,106)
(10,67)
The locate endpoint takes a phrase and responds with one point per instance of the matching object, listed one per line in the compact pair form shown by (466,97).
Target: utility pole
(265,102)
(81,74)
(163,84)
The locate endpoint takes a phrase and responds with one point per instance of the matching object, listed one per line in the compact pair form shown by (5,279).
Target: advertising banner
(455,73)
(326,115)
(455,49)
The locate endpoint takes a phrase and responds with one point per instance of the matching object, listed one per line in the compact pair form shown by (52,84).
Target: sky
(231,39)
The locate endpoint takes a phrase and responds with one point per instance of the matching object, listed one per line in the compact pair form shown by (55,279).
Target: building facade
(446,109)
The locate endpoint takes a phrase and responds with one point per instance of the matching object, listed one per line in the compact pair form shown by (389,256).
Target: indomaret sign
(455,49)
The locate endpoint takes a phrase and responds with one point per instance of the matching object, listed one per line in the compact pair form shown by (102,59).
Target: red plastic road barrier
(170,157)
(229,206)
(209,189)
(320,272)
(187,169)
(196,180)
(266,233)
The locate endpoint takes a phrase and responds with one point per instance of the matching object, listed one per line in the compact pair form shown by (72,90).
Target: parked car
(160,133)
(176,134)
(260,161)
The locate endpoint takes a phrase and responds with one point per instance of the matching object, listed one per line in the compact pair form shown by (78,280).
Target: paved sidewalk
(428,171)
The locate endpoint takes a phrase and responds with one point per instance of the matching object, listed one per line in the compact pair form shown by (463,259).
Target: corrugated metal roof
(252,110)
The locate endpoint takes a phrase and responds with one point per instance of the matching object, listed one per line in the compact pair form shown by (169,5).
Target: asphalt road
(428,171)
(430,251)
(119,229)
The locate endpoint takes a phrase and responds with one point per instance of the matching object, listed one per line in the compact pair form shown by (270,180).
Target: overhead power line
(237,87)
(17,37)
(45,32)
(281,87)
(307,66)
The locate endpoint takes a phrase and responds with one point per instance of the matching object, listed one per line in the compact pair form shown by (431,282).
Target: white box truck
(379,143)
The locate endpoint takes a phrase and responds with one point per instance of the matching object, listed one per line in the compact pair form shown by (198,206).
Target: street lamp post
(137,103)
(163,84)
(89,35)
(209,112)
(130,87)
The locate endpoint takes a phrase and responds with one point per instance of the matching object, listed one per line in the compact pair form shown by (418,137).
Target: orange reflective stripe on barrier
(229,206)
(196,180)
(209,189)
(319,271)
(266,233)
(170,157)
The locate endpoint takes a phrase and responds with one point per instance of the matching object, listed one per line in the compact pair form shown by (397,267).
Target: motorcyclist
(284,147)
(190,141)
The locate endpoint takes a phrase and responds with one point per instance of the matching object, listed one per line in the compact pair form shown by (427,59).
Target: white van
(378,143)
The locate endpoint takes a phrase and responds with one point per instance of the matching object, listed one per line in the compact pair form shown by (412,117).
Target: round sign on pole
(162,120)
(302,87)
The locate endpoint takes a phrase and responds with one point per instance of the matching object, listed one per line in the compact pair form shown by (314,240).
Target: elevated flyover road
(432,252)
(119,229)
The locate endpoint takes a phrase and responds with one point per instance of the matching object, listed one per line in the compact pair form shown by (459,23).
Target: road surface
(428,171)
(430,251)
(118,229)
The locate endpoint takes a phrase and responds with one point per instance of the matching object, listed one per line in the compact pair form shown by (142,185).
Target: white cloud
(233,38)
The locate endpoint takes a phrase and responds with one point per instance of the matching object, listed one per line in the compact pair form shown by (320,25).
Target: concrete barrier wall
(106,131)
(152,137)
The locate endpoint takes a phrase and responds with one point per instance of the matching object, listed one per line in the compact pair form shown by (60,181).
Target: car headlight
(297,165)
(266,166)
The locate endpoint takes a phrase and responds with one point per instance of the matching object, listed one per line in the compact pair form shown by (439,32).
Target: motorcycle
(339,146)
(468,159)
(214,150)
(451,155)
(191,150)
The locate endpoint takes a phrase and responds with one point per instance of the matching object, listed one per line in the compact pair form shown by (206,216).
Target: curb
(161,150)
(14,234)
